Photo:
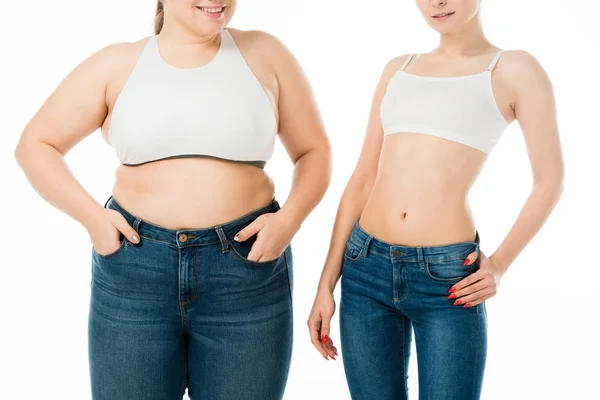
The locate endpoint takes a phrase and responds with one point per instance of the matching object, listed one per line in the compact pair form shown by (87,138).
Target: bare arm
(303,136)
(72,112)
(535,110)
(353,201)
(536,113)
(359,186)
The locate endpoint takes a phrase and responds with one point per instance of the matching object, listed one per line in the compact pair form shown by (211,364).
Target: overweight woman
(192,263)
(404,240)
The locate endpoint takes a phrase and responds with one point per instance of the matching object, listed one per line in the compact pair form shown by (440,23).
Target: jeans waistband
(449,252)
(221,233)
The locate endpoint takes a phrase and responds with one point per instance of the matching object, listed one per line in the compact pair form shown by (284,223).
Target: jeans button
(183,238)
(396,253)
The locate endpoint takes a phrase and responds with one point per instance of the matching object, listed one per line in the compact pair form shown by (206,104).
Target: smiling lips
(212,11)
(442,15)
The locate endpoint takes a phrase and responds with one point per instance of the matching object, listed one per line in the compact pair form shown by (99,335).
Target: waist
(194,193)
(455,251)
(191,236)
(419,217)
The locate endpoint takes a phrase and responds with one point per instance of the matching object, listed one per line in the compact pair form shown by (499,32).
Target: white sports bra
(219,110)
(462,108)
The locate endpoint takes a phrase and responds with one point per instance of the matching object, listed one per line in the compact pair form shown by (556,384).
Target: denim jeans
(186,308)
(387,291)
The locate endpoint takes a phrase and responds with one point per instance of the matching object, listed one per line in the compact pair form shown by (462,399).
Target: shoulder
(519,67)
(393,65)
(114,56)
(391,68)
(118,52)
(266,44)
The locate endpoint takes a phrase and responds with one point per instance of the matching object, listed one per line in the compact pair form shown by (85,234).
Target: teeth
(212,10)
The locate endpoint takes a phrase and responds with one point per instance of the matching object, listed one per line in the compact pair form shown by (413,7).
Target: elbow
(552,188)
(20,153)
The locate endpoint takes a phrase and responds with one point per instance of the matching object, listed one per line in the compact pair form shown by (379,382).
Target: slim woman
(192,263)
(404,241)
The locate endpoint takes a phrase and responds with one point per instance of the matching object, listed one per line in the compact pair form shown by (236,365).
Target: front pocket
(114,253)
(352,251)
(242,249)
(449,271)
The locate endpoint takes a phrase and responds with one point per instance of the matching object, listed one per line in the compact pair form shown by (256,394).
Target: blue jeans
(186,308)
(389,290)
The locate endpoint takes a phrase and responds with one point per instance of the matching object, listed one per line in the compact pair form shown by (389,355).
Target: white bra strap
(495,60)
(406,62)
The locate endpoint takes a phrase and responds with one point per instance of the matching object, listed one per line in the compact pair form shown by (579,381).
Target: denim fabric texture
(389,292)
(187,309)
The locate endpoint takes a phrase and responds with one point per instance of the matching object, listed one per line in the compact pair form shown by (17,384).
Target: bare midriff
(189,193)
(419,197)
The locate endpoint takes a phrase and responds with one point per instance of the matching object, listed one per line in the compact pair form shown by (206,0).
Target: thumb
(325,329)
(470,258)
(249,231)
(123,226)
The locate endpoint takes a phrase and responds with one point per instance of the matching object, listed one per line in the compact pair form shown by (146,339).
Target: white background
(543,335)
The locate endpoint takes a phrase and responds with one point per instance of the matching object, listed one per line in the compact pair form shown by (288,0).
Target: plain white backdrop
(543,333)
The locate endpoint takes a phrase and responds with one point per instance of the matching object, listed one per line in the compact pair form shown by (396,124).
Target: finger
(476,297)
(123,226)
(256,253)
(331,351)
(469,289)
(314,328)
(469,280)
(470,258)
(250,230)
(325,330)
(479,301)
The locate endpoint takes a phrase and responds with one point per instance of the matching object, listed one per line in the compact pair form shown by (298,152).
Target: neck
(175,34)
(469,40)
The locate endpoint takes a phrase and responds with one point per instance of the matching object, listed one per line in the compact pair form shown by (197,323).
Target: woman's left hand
(273,234)
(479,286)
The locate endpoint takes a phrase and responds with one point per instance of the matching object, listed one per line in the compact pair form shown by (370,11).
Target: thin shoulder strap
(495,60)
(406,62)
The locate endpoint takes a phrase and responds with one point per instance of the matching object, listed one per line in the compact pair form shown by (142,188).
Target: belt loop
(365,246)
(136,224)
(420,257)
(222,239)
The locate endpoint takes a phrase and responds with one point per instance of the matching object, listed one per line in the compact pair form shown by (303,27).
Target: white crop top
(462,108)
(219,110)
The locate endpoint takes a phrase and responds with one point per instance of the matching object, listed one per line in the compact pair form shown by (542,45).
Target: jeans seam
(287,273)
(184,303)
(158,240)
(477,353)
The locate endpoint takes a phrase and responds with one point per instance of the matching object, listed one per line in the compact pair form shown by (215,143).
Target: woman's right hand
(319,321)
(105,230)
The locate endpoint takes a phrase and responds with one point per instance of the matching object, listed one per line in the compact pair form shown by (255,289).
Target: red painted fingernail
(333,357)
(466,262)
(324,339)
(453,295)
(467,305)
(457,302)
(452,290)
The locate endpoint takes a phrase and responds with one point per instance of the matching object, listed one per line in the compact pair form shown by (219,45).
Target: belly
(192,193)
(419,197)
